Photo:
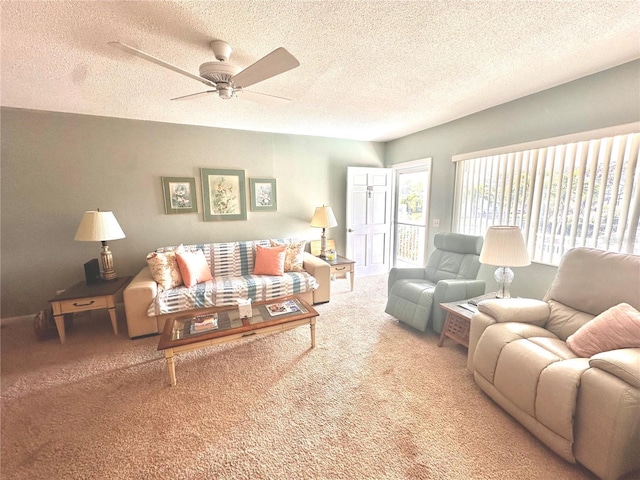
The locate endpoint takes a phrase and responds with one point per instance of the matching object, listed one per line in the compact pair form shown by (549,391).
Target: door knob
(350,230)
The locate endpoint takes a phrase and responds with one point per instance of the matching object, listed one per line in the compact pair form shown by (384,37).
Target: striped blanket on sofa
(231,266)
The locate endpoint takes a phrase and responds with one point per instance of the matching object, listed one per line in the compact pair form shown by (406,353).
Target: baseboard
(20,318)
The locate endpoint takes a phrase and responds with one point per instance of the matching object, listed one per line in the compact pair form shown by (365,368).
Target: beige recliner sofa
(587,410)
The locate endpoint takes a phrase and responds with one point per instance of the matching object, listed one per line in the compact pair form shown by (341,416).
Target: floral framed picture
(224,194)
(179,194)
(263,194)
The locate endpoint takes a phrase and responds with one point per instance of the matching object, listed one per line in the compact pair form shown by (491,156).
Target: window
(575,191)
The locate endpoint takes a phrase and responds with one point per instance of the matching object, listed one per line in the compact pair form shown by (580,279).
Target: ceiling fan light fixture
(225,91)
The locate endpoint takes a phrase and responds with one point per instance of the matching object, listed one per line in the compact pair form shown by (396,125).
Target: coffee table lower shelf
(259,324)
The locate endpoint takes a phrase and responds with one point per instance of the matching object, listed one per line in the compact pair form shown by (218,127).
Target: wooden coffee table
(176,337)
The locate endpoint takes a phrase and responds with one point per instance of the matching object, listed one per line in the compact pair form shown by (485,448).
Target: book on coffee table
(203,323)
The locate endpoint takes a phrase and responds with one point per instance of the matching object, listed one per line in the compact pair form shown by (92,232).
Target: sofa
(568,367)
(229,274)
(415,294)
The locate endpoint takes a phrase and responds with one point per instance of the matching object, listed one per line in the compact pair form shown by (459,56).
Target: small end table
(82,297)
(342,265)
(458,320)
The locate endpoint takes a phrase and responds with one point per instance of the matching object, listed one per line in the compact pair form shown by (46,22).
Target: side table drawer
(340,269)
(82,304)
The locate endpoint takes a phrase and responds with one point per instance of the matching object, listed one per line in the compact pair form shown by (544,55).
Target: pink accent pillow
(270,260)
(193,267)
(618,327)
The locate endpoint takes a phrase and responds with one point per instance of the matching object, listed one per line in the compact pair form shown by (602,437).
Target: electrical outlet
(436,222)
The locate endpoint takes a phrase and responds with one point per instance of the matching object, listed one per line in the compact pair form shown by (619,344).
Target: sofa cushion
(224,291)
(294,259)
(270,260)
(164,268)
(193,267)
(617,327)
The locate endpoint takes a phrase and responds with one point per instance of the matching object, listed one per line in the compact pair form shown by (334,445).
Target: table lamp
(504,247)
(323,218)
(97,226)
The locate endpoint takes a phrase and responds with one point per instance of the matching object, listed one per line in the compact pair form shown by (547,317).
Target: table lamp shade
(98,226)
(324,218)
(504,247)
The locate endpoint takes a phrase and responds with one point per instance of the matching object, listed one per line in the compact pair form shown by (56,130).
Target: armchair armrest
(398,273)
(451,291)
(454,290)
(624,363)
(522,310)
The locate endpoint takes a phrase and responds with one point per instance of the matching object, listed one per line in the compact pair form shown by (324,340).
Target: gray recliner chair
(415,294)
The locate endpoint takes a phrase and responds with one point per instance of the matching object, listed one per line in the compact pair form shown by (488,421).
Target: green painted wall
(608,98)
(55,166)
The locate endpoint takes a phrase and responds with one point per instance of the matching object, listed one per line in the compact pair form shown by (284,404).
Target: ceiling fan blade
(157,61)
(275,63)
(191,95)
(263,98)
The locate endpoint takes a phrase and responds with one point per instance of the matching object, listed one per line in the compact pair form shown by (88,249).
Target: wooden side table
(342,265)
(82,297)
(457,323)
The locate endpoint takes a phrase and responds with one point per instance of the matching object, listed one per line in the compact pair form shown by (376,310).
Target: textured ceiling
(369,70)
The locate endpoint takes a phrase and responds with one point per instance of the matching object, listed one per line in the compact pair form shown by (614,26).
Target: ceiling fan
(226,79)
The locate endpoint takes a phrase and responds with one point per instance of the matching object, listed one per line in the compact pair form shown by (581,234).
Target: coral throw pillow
(164,268)
(193,267)
(270,260)
(294,259)
(618,327)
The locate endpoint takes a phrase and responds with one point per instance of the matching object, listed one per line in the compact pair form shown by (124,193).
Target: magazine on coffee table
(280,308)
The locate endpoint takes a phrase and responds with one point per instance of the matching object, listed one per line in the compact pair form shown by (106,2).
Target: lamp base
(504,277)
(108,273)
(323,244)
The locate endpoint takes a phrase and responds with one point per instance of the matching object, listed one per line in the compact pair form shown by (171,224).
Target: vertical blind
(583,193)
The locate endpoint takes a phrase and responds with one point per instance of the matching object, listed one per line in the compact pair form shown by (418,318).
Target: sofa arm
(398,273)
(624,363)
(137,297)
(521,310)
(321,271)
(452,291)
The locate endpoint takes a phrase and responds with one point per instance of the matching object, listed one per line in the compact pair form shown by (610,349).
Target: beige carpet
(373,400)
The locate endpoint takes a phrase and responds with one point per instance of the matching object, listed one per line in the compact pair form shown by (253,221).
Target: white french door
(369,205)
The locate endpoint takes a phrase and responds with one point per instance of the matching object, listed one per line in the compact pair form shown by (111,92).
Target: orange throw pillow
(193,267)
(270,260)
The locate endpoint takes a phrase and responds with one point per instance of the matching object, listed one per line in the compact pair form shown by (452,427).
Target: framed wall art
(263,194)
(179,194)
(224,194)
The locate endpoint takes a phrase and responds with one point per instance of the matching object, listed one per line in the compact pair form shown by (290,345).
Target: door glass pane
(411,218)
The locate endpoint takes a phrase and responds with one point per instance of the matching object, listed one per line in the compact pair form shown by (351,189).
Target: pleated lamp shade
(504,247)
